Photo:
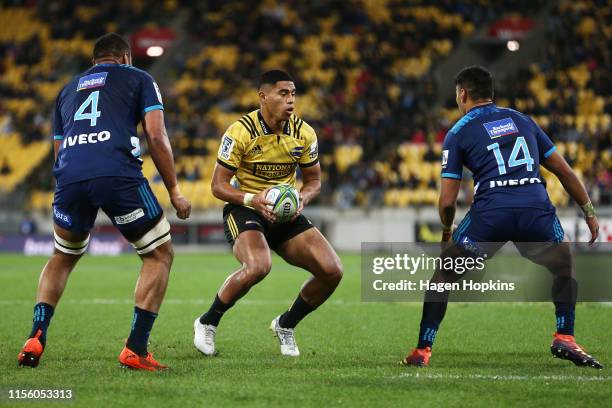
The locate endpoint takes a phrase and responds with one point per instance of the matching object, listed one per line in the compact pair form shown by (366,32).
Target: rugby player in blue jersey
(98,166)
(504,149)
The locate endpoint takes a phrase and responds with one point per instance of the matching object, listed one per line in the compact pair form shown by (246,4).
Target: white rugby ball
(286,201)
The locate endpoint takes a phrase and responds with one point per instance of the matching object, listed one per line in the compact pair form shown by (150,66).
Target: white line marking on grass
(178,301)
(429,376)
(103,301)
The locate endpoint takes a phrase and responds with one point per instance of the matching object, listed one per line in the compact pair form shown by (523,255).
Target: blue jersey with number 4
(503,149)
(96,116)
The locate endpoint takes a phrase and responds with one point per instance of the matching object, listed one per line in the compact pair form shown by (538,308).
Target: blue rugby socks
(43,312)
(142,324)
(564,294)
(434,309)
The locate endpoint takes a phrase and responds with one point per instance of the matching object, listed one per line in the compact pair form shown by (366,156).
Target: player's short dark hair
(111,44)
(477,81)
(273,76)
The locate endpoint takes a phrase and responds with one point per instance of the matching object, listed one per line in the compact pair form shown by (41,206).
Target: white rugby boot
(204,337)
(286,338)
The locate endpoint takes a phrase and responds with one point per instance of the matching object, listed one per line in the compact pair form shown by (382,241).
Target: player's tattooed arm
(447,205)
(557,165)
(161,153)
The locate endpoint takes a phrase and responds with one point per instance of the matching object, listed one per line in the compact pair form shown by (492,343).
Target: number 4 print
(93,116)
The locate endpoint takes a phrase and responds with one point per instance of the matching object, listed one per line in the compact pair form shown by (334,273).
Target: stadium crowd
(570,92)
(364,71)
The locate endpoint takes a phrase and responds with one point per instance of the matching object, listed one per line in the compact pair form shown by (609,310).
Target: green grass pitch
(485,354)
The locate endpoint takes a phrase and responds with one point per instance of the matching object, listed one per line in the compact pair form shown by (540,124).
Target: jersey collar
(267,129)
(486,105)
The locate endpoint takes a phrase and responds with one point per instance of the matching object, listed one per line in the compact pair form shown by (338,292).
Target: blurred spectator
(431,155)
(28,225)
(5,169)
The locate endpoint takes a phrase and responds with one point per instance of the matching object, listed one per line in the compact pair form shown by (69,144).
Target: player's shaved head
(477,81)
(110,45)
(273,76)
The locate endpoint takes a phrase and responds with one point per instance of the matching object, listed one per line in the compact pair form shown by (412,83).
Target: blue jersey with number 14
(503,149)
(96,116)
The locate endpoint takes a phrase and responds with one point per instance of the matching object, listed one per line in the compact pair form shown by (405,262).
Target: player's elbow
(566,174)
(219,189)
(557,165)
(215,188)
(316,187)
(155,137)
(446,203)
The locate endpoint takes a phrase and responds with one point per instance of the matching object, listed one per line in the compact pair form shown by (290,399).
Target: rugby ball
(285,201)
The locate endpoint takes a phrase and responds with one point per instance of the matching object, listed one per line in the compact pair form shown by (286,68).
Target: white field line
(489,377)
(110,301)
(102,301)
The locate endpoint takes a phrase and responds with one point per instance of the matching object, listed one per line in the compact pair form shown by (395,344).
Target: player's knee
(257,268)
(65,259)
(333,272)
(163,255)
(166,254)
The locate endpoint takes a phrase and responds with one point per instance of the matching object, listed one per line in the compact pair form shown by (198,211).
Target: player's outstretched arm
(161,152)
(223,190)
(447,205)
(557,165)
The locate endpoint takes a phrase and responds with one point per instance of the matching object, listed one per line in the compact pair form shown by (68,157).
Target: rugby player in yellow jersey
(259,151)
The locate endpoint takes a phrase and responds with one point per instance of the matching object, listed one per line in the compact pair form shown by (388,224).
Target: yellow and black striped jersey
(262,158)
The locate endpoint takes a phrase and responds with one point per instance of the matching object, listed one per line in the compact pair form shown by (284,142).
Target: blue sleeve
(58,124)
(150,96)
(452,157)
(545,146)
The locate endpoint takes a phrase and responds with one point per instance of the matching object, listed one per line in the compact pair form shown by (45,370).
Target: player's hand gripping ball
(286,201)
